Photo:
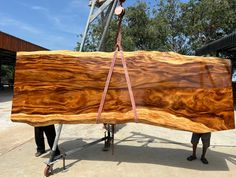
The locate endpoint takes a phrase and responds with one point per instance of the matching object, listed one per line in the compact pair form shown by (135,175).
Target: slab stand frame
(106,9)
(108,143)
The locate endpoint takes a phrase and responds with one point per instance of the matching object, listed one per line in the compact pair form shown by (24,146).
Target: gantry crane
(103,8)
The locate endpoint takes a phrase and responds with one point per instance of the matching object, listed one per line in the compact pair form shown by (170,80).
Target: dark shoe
(191,158)
(37,154)
(204,160)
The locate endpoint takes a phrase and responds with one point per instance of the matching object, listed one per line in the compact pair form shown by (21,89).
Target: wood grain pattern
(171,90)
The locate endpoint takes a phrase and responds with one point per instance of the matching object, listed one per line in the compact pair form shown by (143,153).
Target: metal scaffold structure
(106,9)
(103,8)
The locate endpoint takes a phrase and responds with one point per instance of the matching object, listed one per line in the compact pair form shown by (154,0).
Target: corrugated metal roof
(227,43)
(12,43)
(9,45)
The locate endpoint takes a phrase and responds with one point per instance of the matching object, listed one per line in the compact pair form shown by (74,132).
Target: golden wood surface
(171,90)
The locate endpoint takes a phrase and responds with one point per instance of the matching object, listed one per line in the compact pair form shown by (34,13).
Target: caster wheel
(48,171)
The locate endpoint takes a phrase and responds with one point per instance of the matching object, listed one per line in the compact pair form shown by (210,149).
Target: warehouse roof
(226,44)
(9,45)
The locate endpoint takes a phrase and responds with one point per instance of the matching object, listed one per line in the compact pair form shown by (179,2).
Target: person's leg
(51,134)
(206,143)
(39,140)
(194,150)
(194,141)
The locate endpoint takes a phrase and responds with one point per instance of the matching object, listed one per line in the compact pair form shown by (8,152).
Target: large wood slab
(171,90)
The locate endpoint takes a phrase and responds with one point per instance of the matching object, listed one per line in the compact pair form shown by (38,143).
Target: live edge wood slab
(171,90)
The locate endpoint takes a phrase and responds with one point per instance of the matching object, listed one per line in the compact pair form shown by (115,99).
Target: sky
(53,24)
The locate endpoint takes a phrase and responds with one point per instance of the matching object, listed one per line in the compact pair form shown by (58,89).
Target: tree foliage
(169,25)
(7,73)
(208,20)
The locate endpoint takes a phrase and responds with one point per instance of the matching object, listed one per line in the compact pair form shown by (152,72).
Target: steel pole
(87,26)
(107,24)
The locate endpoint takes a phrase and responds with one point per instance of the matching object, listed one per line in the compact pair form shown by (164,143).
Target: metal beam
(100,10)
(87,26)
(113,6)
(110,6)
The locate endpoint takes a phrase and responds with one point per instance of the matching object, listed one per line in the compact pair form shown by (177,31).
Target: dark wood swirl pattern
(171,90)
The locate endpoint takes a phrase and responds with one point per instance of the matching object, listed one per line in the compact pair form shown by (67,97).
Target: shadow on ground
(147,154)
(6,95)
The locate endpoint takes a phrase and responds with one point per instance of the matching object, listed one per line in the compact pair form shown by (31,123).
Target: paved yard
(140,150)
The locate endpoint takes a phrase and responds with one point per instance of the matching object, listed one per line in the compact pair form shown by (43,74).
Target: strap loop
(118,47)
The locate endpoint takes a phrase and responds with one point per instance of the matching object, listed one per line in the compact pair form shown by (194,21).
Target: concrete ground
(140,150)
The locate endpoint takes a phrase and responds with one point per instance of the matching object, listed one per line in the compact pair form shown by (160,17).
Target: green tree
(7,73)
(134,31)
(169,25)
(207,20)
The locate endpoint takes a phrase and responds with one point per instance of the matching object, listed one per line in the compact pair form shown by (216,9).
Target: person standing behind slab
(39,139)
(205,137)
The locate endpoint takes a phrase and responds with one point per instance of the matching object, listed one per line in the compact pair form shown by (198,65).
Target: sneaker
(204,160)
(37,154)
(191,158)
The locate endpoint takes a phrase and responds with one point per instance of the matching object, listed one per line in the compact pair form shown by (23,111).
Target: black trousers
(39,138)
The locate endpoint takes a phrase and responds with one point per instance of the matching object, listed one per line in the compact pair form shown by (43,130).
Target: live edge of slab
(171,90)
